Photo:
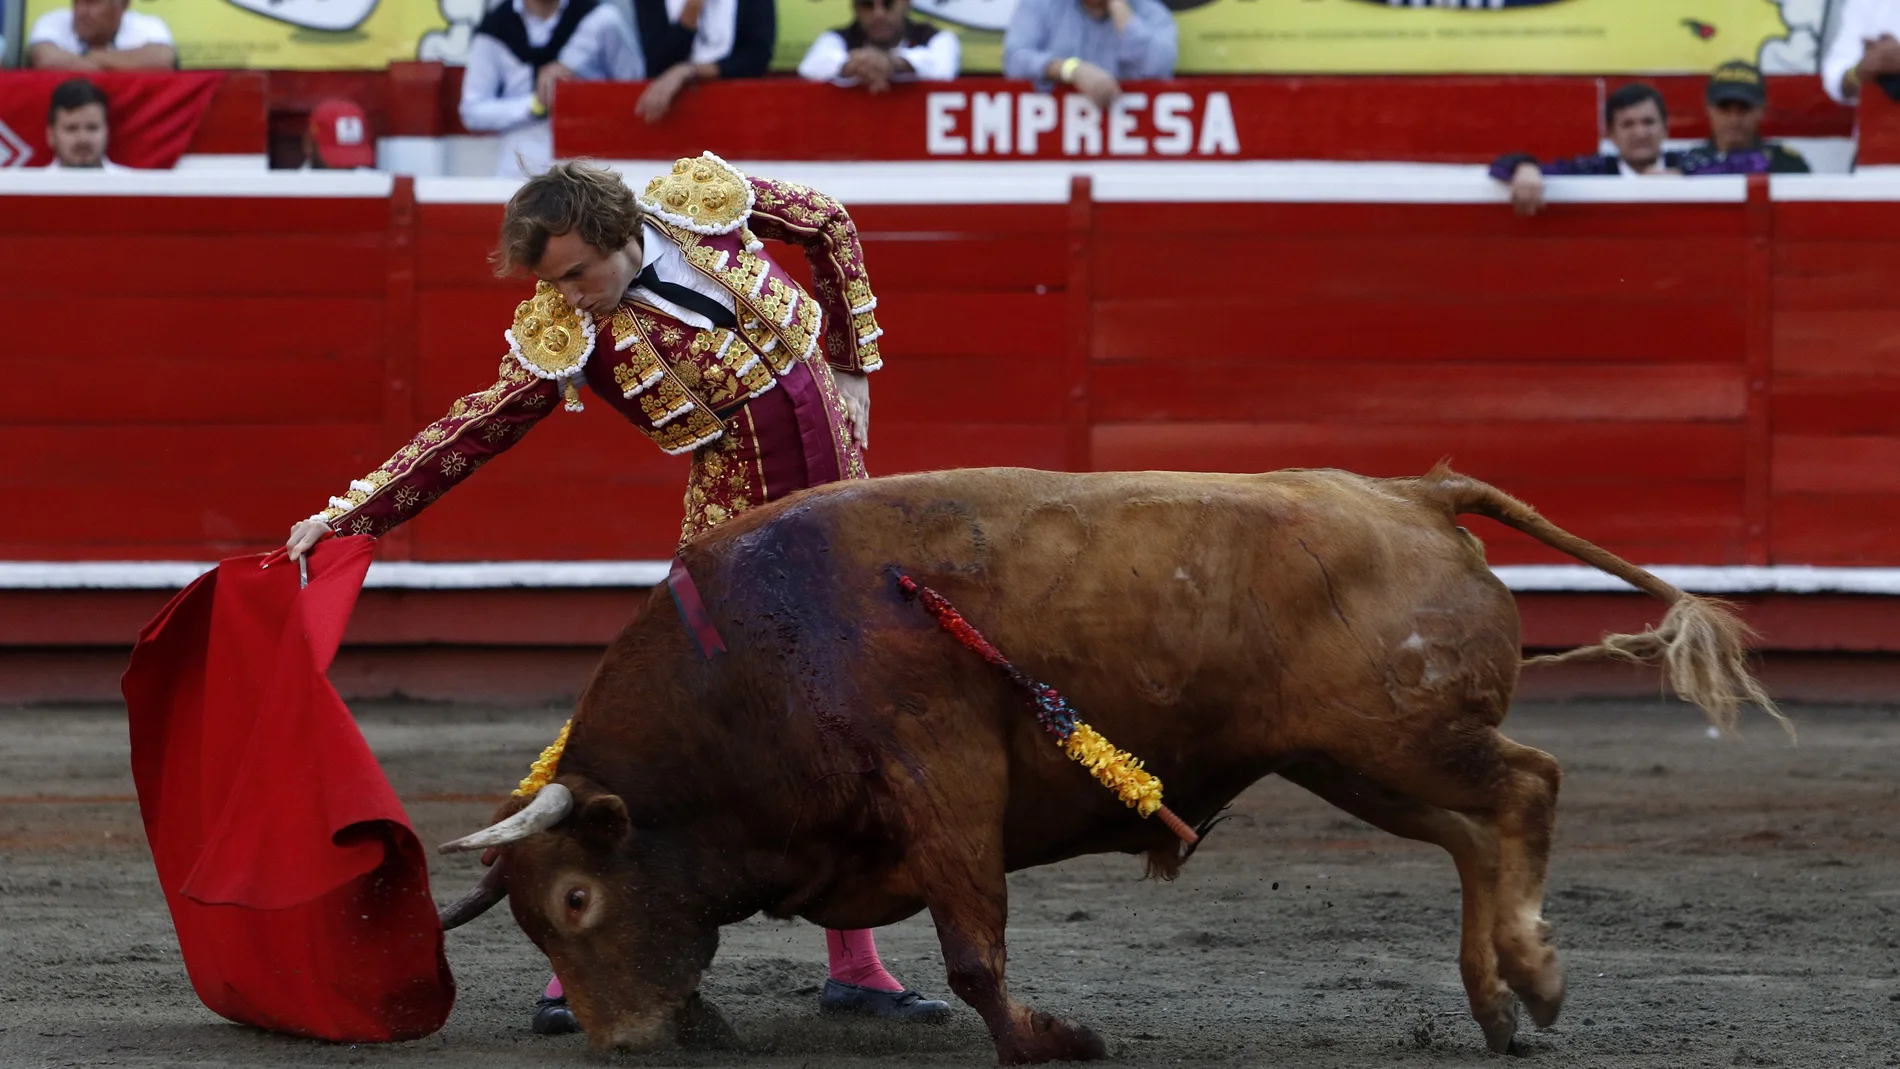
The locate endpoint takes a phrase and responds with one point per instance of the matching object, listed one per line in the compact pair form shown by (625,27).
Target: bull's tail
(1702,644)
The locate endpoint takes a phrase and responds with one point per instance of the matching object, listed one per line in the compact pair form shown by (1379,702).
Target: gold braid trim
(1118,770)
(543,769)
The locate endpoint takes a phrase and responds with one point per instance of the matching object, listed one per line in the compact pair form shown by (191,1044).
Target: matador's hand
(855,388)
(306,534)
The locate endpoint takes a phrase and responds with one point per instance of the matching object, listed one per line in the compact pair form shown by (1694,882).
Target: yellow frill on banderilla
(1118,770)
(543,769)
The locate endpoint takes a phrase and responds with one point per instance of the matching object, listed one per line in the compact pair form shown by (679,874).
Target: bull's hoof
(1050,1039)
(1538,981)
(1500,1025)
(702,1027)
(1545,1007)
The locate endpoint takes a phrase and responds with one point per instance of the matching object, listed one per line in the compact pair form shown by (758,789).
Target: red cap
(342,135)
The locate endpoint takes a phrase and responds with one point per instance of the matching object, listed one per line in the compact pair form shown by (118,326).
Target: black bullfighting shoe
(553,1018)
(905,1005)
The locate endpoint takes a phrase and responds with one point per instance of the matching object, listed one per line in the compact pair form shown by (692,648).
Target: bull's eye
(577,899)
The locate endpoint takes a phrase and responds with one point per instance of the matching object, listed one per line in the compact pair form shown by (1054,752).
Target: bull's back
(1194,618)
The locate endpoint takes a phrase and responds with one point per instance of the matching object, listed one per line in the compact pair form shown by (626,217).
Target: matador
(716,351)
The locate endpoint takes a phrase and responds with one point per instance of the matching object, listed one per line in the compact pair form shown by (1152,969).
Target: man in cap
(337,138)
(1737,97)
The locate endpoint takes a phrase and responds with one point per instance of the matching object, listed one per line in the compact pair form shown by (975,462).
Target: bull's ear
(603,821)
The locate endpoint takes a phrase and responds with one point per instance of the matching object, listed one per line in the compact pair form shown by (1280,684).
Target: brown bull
(849,763)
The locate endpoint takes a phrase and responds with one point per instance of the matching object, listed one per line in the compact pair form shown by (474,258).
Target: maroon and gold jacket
(679,385)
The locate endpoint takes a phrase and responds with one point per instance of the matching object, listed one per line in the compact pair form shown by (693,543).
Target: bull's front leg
(970,913)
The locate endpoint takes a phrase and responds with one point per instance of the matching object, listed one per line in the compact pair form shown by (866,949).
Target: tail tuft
(1702,649)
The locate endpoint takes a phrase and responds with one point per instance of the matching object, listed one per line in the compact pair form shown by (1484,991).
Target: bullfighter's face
(611,916)
(593,280)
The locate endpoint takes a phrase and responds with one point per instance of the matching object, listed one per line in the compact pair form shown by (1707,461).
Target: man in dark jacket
(689,41)
(1737,97)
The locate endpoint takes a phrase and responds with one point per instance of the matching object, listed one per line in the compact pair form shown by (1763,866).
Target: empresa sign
(1034,125)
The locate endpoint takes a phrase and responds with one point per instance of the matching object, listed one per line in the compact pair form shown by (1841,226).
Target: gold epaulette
(706,195)
(552,340)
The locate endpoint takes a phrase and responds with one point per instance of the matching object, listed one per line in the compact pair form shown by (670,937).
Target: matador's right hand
(305,535)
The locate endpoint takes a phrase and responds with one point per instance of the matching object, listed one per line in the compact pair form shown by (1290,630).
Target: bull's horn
(550,804)
(476,902)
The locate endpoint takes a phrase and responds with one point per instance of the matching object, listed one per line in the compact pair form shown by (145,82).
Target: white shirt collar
(659,252)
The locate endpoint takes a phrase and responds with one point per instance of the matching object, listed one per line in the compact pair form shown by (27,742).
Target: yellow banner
(1216,36)
(1412,36)
(303,34)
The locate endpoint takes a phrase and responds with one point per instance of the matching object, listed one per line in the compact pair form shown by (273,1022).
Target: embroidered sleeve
(444,453)
(793,213)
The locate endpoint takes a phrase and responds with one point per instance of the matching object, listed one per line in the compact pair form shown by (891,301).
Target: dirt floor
(1717,903)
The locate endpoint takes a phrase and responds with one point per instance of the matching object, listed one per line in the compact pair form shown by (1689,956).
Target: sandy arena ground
(1716,903)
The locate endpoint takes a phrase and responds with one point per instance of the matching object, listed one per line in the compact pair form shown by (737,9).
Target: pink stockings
(854,960)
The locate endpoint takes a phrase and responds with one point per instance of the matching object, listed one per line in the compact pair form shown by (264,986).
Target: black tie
(686,297)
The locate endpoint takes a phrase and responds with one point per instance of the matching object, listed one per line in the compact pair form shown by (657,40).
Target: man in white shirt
(882,45)
(77,129)
(1866,46)
(520,51)
(100,35)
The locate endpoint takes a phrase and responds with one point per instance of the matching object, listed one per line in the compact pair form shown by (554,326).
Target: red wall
(1684,383)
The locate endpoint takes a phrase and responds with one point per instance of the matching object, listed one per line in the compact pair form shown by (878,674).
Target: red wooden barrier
(1418,119)
(1702,383)
(1446,119)
(1879,129)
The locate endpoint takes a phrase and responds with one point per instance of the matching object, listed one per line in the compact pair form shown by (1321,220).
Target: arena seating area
(1279,271)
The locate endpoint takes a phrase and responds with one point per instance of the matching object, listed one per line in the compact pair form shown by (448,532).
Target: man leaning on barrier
(1089,44)
(882,45)
(1638,122)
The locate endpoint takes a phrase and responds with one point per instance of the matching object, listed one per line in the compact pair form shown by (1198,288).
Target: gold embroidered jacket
(677,384)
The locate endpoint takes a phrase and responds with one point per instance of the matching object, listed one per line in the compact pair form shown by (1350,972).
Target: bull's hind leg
(1526,816)
(970,905)
(1473,846)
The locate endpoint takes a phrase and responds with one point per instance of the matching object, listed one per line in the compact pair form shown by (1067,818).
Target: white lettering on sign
(1081,126)
(1006,123)
(989,123)
(1217,127)
(940,125)
(1173,122)
(1121,125)
(1035,116)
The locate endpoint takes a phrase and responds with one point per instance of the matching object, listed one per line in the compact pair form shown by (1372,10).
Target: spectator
(882,45)
(1864,48)
(101,35)
(1638,121)
(1089,44)
(337,138)
(1737,96)
(77,129)
(520,51)
(691,41)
